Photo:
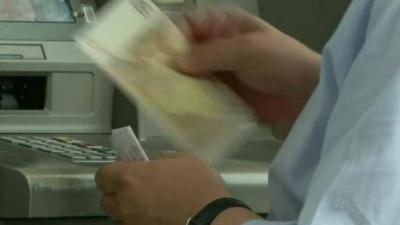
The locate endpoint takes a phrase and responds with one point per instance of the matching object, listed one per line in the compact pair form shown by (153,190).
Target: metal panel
(71,93)
(12,51)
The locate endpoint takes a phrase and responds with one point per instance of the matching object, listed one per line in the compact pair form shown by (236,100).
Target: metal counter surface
(245,173)
(63,221)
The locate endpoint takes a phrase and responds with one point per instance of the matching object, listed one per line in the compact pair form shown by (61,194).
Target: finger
(183,25)
(221,21)
(198,22)
(111,207)
(219,24)
(205,24)
(212,56)
(108,177)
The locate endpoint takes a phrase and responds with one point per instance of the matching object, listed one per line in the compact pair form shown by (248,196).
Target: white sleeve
(357,179)
(266,222)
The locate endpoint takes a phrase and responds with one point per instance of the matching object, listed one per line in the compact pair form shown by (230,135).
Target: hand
(160,192)
(271,71)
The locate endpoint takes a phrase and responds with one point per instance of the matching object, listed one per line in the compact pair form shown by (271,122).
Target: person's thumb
(211,56)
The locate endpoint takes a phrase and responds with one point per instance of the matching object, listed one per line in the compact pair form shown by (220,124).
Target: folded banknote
(135,43)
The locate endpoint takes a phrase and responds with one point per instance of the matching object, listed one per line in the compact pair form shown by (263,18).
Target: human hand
(160,192)
(272,72)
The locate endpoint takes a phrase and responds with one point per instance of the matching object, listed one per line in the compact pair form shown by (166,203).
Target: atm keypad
(66,147)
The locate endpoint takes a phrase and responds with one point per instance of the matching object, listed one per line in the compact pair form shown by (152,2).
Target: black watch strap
(207,215)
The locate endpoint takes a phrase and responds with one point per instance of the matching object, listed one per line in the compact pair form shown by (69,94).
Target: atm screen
(57,11)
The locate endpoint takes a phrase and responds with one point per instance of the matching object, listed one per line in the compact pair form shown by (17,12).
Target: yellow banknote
(135,43)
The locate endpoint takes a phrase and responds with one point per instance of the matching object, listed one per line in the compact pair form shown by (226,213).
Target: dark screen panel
(23,92)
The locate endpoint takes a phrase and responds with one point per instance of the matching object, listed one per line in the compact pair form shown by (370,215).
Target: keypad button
(110,157)
(22,138)
(67,145)
(57,151)
(68,155)
(87,145)
(37,141)
(18,142)
(92,152)
(104,149)
(7,138)
(45,149)
(10,139)
(95,157)
(54,146)
(75,151)
(44,139)
(68,140)
(79,157)
(74,147)
(25,144)
(36,147)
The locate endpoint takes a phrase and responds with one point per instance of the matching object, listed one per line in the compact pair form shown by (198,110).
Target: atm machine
(55,111)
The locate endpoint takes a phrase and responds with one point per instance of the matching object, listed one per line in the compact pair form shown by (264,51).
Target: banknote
(127,146)
(136,43)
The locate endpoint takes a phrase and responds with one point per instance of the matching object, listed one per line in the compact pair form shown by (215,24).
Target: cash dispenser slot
(23,92)
(21,52)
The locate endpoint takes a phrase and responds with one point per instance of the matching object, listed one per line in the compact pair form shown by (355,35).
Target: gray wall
(311,21)
(124,112)
(249,5)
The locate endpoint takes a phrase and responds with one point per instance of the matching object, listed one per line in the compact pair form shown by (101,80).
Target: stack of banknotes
(136,43)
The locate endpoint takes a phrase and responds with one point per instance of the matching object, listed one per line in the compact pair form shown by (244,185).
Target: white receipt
(127,146)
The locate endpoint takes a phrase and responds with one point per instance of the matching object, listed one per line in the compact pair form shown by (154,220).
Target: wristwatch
(207,215)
